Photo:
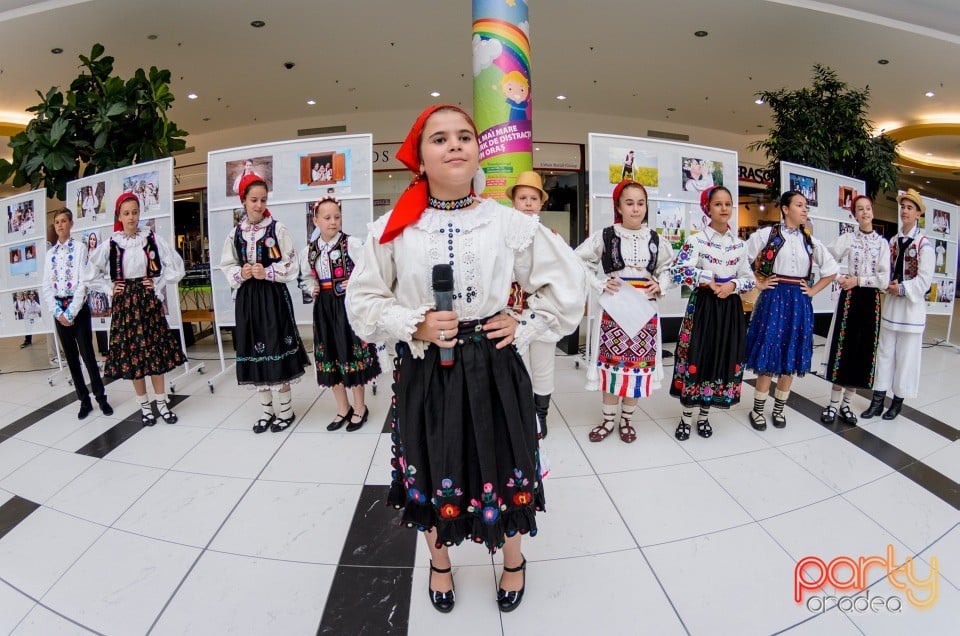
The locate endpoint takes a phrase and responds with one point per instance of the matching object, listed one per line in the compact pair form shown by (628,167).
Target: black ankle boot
(876,405)
(895,405)
(542,404)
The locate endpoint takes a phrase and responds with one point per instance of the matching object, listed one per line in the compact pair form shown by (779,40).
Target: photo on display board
(21,218)
(922,221)
(326,168)
(99,304)
(147,188)
(89,201)
(92,240)
(845,197)
(700,174)
(669,222)
(626,163)
(946,291)
(237,170)
(26,305)
(940,249)
(941,222)
(23,259)
(698,219)
(807,186)
(846,228)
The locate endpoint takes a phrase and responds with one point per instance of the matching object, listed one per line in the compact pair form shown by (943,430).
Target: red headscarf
(617,217)
(705,199)
(246,182)
(413,201)
(123,198)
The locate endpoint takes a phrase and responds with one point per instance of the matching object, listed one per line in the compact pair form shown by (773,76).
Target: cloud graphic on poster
(484,53)
(525,27)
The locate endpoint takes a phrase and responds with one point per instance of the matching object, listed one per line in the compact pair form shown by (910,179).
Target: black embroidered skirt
(269,349)
(711,349)
(340,357)
(466,460)
(854,336)
(141,341)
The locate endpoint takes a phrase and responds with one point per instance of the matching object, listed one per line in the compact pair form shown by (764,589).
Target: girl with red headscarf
(628,366)
(711,346)
(259,260)
(135,266)
(465,434)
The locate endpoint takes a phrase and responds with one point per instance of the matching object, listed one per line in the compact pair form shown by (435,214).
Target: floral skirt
(141,341)
(340,356)
(710,351)
(269,349)
(855,333)
(466,459)
(780,335)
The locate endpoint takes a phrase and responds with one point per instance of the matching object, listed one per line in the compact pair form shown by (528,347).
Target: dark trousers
(77,342)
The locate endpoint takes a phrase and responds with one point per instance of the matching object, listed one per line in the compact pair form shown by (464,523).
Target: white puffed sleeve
(172,271)
(589,252)
(824,260)
(288,267)
(307,280)
(757,242)
(663,273)
(882,277)
(839,246)
(230,265)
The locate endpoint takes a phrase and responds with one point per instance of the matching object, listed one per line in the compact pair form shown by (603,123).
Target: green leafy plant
(101,123)
(826,126)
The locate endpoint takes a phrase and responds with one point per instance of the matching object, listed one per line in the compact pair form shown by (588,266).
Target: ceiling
(611,57)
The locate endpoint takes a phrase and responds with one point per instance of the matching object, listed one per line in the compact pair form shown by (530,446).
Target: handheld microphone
(443,296)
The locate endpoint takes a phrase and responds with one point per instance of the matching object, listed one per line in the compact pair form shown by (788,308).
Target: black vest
(612,260)
(340,267)
(763,265)
(154,266)
(268,247)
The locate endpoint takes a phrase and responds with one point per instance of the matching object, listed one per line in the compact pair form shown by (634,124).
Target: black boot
(876,405)
(895,405)
(542,404)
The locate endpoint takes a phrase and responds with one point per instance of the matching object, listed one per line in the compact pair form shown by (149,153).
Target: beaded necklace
(456,204)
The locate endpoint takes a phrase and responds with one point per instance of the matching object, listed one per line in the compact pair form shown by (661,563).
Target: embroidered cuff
(400,323)
(68,314)
(271,274)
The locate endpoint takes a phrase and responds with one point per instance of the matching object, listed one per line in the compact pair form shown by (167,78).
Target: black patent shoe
(895,405)
(704,429)
(86,408)
(263,424)
(441,601)
(758,421)
(168,416)
(353,426)
(683,431)
(876,406)
(829,415)
(340,420)
(509,601)
(147,419)
(281,424)
(846,415)
(779,421)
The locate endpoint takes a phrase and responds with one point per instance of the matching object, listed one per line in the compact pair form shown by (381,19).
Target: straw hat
(530,179)
(913,195)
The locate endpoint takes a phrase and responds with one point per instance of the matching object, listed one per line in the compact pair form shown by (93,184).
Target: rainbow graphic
(502,92)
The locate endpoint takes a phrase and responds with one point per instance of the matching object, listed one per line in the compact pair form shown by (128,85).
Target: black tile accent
(387,421)
(13,512)
(940,428)
(370,593)
(126,428)
(30,419)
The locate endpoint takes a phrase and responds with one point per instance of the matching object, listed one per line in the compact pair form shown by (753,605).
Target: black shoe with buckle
(509,601)
(441,601)
(846,415)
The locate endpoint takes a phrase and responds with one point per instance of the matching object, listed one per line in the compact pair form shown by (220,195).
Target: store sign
(385,157)
(754,175)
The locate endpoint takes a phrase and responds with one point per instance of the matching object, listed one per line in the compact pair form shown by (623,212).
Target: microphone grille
(442,278)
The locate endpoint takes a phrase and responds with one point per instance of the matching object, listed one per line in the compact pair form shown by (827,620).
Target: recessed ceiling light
(191,95)
(928,94)
(311,102)
(56,50)
(152,36)
(701,34)
(758,101)
(389,176)
(929,154)
(561,97)
(434,94)
(913,172)
(884,62)
(928,183)
(258,24)
(536,149)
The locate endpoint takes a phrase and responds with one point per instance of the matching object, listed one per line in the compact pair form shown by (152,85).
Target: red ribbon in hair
(705,199)
(617,191)
(245,184)
(413,201)
(123,198)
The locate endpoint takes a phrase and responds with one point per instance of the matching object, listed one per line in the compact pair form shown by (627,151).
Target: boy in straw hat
(904,311)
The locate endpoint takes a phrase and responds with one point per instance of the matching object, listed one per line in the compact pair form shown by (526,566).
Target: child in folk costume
(780,335)
(465,464)
(904,313)
(342,360)
(627,252)
(528,196)
(259,260)
(851,351)
(135,266)
(712,343)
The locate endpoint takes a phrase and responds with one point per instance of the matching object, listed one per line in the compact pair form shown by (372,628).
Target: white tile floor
(206,528)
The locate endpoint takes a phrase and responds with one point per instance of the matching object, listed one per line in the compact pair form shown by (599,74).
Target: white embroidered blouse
(866,256)
(709,255)
(792,259)
(488,247)
(63,277)
(635,251)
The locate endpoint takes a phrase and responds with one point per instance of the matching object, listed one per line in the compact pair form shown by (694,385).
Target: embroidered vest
(154,266)
(268,248)
(517,300)
(341,265)
(911,259)
(763,265)
(612,259)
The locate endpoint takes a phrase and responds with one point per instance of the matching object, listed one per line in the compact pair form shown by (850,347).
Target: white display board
(23,244)
(297,173)
(939,223)
(829,200)
(92,200)
(674,175)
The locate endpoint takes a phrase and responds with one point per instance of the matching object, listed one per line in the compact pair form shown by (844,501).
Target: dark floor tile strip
(913,469)
(931,423)
(13,512)
(41,412)
(126,428)
(370,593)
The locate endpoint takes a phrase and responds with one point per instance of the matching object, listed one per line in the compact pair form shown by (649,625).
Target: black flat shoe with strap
(340,420)
(441,601)
(263,425)
(353,426)
(509,601)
